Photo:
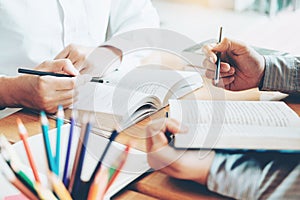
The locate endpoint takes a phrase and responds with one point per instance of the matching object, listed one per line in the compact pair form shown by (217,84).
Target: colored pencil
(11,158)
(98,187)
(23,134)
(45,128)
(113,136)
(77,181)
(58,187)
(22,176)
(5,145)
(10,176)
(59,123)
(66,168)
(44,193)
(77,154)
(116,169)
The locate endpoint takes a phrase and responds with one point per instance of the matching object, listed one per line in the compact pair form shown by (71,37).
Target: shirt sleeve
(127,15)
(282,73)
(256,175)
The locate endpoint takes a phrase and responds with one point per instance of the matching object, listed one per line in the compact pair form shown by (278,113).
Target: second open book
(236,125)
(128,97)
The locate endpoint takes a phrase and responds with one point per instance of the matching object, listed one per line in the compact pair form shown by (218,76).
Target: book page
(157,82)
(236,125)
(274,114)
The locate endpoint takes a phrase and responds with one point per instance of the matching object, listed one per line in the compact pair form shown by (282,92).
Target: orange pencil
(117,169)
(23,134)
(98,187)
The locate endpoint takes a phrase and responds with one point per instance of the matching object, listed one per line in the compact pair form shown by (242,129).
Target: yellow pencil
(44,193)
(58,187)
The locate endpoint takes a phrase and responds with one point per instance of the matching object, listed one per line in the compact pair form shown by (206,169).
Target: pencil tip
(21,127)
(114,134)
(60,112)
(44,119)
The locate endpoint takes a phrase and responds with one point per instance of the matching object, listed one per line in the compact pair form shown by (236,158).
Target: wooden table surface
(154,185)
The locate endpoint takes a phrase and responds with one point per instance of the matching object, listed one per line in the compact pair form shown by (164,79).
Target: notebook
(135,165)
(245,125)
(126,98)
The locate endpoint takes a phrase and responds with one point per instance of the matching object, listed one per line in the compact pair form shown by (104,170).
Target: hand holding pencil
(45,92)
(241,67)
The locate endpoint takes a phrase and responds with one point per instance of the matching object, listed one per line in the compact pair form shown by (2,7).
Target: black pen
(43,73)
(217,72)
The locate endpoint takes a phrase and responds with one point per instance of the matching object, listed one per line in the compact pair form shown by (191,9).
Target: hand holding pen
(241,67)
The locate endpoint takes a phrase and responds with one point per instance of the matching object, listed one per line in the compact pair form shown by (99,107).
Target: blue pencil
(66,168)
(45,129)
(77,181)
(59,123)
(113,136)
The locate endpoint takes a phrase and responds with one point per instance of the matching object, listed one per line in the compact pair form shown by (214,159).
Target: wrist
(205,168)
(7,91)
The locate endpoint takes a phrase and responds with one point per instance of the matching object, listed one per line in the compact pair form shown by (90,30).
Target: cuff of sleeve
(268,75)
(280,74)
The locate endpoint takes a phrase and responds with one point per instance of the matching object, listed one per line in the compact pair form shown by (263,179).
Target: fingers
(209,53)
(156,132)
(58,66)
(225,71)
(58,83)
(76,54)
(64,53)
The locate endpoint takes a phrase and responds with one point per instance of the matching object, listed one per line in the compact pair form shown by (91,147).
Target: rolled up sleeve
(256,175)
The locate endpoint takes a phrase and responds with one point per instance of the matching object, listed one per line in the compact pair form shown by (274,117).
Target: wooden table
(154,185)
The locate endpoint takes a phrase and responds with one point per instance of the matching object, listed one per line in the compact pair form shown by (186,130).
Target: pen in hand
(43,73)
(218,63)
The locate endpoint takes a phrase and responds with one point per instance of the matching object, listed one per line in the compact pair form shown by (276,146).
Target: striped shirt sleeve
(282,73)
(256,175)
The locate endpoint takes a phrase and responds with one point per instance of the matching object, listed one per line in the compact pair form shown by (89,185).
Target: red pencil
(23,134)
(117,169)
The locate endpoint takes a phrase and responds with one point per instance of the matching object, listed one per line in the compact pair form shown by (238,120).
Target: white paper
(135,165)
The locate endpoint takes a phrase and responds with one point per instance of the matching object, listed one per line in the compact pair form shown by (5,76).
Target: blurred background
(272,24)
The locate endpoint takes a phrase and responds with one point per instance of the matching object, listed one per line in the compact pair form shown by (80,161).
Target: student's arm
(255,175)
(189,165)
(240,176)
(282,73)
(243,68)
(40,92)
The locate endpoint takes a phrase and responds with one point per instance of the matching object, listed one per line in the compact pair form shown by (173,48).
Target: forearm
(256,175)
(7,89)
(282,73)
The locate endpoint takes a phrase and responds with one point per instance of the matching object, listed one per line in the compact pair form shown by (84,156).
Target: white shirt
(34,31)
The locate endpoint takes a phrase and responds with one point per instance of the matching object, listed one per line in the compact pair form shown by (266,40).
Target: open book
(236,125)
(126,98)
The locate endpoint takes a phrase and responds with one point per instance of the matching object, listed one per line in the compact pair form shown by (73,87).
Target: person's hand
(46,92)
(77,54)
(241,66)
(180,164)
